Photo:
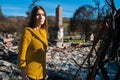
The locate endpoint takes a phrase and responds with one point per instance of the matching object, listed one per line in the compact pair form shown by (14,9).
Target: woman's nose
(40,16)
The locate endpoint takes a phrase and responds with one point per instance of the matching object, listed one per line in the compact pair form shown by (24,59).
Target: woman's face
(40,17)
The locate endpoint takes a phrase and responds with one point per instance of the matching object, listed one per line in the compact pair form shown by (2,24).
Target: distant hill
(11,24)
(17,23)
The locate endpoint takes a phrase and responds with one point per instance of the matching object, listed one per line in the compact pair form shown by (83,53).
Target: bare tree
(82,20)
(31,6)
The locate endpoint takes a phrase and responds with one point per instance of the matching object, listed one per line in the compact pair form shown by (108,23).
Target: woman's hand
(23,74)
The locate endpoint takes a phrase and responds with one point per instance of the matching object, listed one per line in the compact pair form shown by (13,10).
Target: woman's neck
(37,28)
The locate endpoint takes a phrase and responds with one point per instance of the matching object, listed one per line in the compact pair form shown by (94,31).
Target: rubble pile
(9,71)
(8,58)
(64,63)
(60,61)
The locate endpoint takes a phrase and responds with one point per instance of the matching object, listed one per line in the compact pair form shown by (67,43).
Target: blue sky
(19,7)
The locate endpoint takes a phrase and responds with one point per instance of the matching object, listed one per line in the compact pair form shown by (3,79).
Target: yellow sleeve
(24,43)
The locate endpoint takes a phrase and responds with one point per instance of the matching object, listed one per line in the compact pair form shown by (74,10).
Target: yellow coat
(32,52)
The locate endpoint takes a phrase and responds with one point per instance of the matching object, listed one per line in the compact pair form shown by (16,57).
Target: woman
(33,45)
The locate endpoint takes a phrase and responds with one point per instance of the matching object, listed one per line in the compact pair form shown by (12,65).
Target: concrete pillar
(58,24)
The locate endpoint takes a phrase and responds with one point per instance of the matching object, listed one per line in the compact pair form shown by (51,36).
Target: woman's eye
(40,14)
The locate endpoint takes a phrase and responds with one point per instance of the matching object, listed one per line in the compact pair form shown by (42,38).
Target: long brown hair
(32,22)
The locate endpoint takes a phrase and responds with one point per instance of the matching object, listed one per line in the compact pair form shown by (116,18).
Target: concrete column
(58,24)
